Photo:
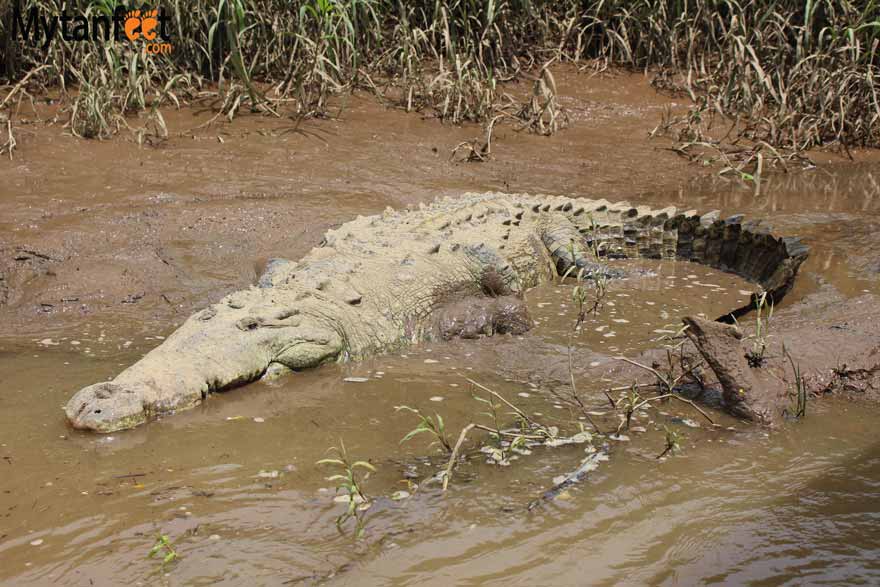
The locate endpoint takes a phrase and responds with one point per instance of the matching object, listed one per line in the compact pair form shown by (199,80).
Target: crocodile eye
(248,323)
(285,314)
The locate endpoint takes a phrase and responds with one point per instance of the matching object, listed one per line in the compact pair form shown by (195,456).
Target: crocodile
(380,282)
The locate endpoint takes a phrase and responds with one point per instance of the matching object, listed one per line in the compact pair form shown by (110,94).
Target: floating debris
(563,482)
(348,498)
(495,456)
(686,421)
(579,438)
(356,379)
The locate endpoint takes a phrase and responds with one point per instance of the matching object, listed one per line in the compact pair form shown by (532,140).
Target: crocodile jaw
(106,407)
(215,350)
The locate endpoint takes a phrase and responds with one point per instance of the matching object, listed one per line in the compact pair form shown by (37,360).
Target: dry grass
(792,74)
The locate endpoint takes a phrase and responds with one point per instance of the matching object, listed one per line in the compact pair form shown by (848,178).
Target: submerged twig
(498,396)
(454,455)
(668,386)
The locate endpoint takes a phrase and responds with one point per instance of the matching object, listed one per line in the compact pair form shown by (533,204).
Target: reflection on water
(835,209)
(849,188)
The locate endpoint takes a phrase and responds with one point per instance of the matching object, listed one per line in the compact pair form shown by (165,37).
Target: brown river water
(106,246)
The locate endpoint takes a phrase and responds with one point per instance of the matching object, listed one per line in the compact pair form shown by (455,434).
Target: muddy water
(247,477)
(104,247)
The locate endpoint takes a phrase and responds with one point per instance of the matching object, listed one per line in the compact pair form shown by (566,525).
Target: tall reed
(796,73)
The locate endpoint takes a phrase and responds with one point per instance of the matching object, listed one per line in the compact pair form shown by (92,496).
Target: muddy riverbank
(105,246)
(105,228)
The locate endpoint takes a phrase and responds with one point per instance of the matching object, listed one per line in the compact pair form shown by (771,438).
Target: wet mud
(105,247)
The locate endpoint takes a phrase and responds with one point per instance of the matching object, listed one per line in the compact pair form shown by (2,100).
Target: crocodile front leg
(569,249)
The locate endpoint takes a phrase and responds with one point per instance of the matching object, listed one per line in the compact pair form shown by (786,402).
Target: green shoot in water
(164,549)
(350,482)
(432,425)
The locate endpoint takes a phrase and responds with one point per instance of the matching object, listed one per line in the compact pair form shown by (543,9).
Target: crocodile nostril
(105,391)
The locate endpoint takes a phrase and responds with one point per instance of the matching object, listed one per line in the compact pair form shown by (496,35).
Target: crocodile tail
(619,229)
(744,248)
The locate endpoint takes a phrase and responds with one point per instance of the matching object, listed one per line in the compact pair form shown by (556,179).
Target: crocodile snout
(105,407)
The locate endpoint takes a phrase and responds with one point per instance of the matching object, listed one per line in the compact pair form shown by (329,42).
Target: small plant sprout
(800,394)
(673,442)
(631,402)
(430,425)
(351,483)
(763,314)
(163,547)
(586,301)
(504,440)
(496,452)
(593,240)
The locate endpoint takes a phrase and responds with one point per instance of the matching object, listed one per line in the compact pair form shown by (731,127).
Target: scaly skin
(376,283)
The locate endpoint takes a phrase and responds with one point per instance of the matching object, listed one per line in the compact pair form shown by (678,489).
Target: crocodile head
(106,407)
(227,345)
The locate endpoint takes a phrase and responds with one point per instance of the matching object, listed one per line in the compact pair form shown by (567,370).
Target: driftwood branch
(510,434)
(21,84)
